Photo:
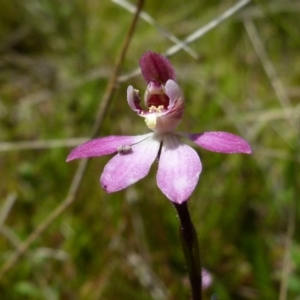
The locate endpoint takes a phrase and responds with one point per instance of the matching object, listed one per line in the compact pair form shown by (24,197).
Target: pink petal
(133,99)
(105,145)
(126,169)
(156,67)
(218,141)
(173,91)
(178,170)
(169,120)
(206,279)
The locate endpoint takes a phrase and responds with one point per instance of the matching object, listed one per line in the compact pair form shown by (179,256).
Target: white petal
(178,170)
(126,169)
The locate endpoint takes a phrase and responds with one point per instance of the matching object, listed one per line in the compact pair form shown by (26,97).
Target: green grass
(242,206)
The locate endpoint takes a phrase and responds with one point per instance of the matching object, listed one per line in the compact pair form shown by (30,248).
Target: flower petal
(218,141)
(170,119)
(156,67)
(178,170)
(206,279)
(105,145)
(126,169)
(133,99)
(174,92)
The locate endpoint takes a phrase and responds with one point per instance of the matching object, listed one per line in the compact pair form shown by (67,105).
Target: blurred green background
(55,61)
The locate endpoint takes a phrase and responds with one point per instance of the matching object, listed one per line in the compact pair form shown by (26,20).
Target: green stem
(191,251)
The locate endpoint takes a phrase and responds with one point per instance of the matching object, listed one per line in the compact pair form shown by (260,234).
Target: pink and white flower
(179,165)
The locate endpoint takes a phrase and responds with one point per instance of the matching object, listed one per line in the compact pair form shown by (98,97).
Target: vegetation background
(242,77)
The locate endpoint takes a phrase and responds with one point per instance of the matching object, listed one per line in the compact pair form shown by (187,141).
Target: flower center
(158,100)
(154,112)
(155,95)
(154,109)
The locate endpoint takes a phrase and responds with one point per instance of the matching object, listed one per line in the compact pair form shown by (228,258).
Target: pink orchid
(179,165)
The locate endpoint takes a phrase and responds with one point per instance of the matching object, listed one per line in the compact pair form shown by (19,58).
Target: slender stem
(191,251)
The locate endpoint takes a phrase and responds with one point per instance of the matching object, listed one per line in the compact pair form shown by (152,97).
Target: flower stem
(191,251)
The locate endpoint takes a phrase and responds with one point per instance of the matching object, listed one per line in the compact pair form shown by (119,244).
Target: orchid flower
(179,165)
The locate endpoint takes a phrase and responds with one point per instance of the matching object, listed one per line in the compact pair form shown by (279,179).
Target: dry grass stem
(284,101)
(209,26)
(6,208)
(267,65)
(77,179)
(39,144)
(146,277)
(146,17)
